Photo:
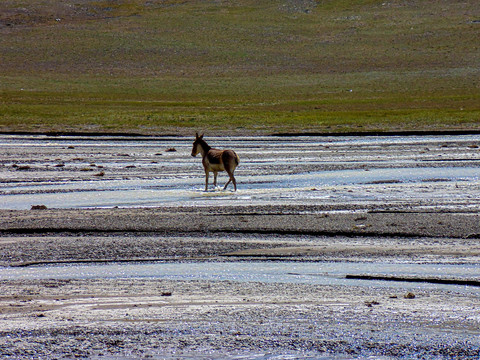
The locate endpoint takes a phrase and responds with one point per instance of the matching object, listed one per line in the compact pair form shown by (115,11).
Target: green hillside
(239,66)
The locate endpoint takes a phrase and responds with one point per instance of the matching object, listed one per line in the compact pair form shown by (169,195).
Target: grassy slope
(239,66)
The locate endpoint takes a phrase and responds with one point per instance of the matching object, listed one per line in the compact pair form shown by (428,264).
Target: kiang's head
(197,144)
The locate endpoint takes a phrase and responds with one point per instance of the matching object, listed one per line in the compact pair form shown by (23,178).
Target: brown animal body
(215,160)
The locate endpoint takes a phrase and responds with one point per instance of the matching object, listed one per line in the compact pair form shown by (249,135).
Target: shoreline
(166,134)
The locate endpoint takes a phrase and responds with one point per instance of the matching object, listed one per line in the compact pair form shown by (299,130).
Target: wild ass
(215,160)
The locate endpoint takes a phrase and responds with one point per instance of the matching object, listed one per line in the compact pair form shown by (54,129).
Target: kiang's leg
(206,180)
(228,182)
(231,179)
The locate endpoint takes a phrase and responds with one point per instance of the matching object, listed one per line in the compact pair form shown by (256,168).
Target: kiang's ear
(196,136)
(200,137)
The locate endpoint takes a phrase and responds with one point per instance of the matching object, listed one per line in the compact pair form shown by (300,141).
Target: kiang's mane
(204,144)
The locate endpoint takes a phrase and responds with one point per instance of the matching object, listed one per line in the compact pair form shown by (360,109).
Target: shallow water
(322,273)
(347,185)
(82,172)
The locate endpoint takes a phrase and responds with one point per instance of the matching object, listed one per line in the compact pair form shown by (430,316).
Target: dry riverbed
(277,216)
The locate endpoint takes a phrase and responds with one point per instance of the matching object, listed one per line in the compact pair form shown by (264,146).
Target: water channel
(320,273)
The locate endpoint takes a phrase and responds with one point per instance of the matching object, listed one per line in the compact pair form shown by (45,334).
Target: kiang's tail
(237,159)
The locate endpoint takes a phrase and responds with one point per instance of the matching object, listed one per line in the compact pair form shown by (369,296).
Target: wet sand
(315,220)
(153,318)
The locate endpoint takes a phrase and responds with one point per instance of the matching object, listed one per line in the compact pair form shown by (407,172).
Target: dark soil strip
(282,134)
(170,231)
(382,133)
(104,261)
(101,135)
(416,280)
